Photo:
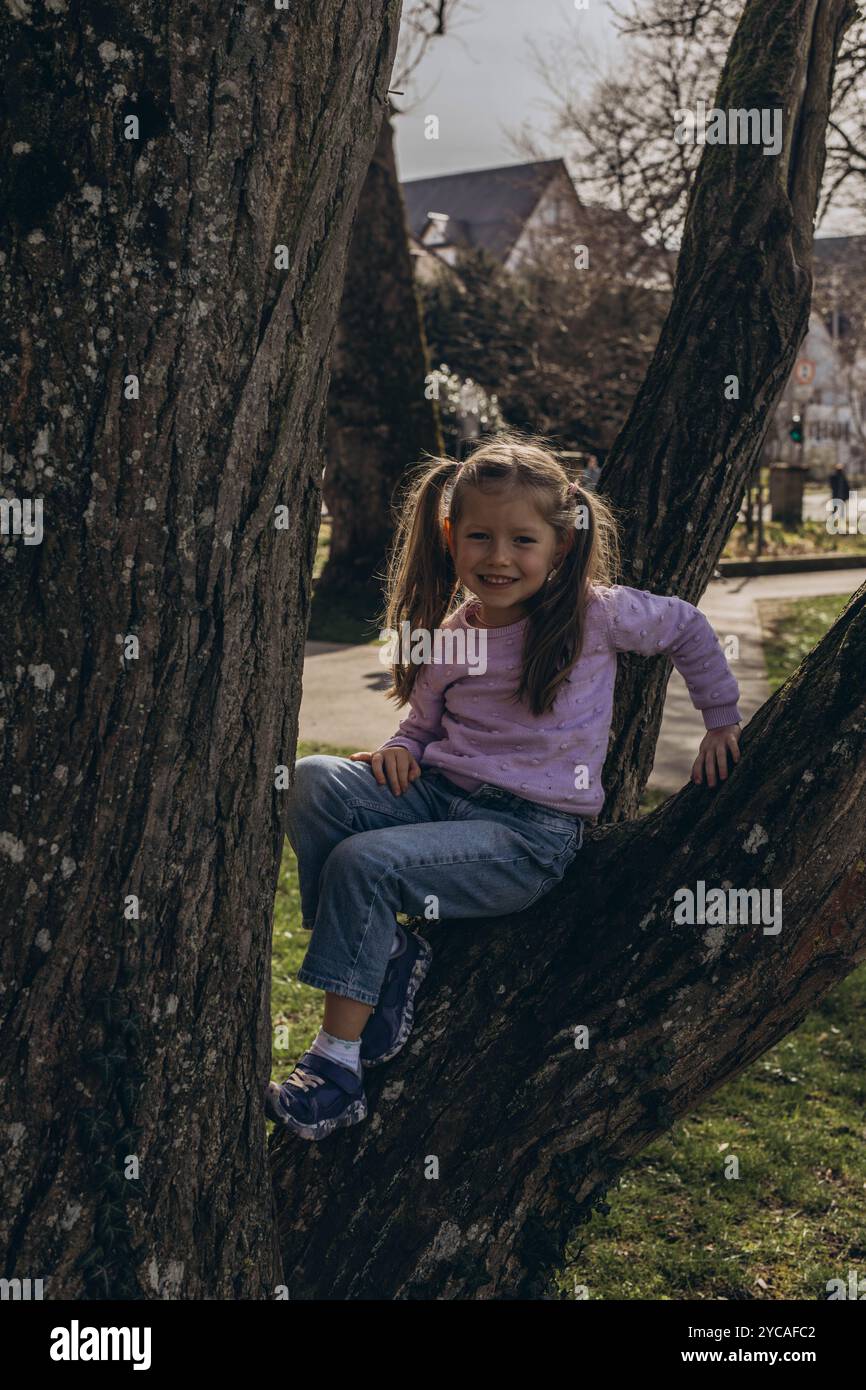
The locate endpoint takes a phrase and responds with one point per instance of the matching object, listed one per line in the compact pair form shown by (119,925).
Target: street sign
(804,371)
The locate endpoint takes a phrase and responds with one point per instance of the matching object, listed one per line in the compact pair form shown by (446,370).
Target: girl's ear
(562,550)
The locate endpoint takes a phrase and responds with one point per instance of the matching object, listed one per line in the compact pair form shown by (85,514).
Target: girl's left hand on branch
(713,753)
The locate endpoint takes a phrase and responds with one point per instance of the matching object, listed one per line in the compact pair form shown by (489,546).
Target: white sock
(341,1050)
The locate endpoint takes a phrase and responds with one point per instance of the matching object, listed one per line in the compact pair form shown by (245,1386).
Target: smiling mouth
(498,581)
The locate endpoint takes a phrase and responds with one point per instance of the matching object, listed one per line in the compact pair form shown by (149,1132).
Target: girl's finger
(711,768)
(393,777)
(360,757)
(377,768)
(722,760)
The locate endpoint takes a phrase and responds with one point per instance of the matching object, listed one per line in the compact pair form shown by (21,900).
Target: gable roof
(842,252)
(487,208)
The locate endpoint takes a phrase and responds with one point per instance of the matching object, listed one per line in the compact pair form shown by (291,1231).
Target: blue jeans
(436,851)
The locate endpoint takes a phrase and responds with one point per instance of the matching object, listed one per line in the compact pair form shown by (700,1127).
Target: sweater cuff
(719,716)
(404,741)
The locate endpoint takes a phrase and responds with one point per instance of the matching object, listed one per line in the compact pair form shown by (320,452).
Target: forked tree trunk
(379,419)
(493,1134)
(149,773)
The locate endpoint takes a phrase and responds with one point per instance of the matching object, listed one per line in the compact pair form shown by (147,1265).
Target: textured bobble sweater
(465,726)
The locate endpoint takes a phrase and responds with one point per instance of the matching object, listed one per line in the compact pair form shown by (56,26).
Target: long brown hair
(423,587)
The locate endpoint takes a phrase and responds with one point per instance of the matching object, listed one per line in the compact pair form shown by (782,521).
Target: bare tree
(423,21)
(620,124)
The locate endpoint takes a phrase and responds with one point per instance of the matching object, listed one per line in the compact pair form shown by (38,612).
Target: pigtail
(555,630)
(421,581)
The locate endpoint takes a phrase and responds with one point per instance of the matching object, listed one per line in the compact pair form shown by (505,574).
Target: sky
(481,82)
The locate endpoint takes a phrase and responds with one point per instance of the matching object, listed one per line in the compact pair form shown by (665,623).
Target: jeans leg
(333,797)
(468,867)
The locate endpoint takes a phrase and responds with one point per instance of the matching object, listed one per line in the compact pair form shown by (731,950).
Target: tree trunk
(493,1135)
(167,396)
(379,419)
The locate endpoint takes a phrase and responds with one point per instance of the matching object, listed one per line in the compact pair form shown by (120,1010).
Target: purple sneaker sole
(356,1112)
(344,1098)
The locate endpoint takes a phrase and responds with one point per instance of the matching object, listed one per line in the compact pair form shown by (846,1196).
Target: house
(510,212)
(514,209)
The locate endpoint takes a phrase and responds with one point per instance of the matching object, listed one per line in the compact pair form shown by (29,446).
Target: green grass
(342,614)
(794,1218)
(652,798)
(677,1227)
(338,616)
(809,538)
(792,627)
(323,545)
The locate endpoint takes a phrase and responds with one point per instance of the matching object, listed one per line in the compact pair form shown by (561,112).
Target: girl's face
(503,551)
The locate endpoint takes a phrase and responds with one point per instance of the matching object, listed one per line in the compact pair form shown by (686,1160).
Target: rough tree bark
(150,253)
(379,419)
(527,1130)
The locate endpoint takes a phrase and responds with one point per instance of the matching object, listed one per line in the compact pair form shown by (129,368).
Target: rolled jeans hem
(360,996)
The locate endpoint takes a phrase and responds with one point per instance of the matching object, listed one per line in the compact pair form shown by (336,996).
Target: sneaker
(390,1023)
(319,1097)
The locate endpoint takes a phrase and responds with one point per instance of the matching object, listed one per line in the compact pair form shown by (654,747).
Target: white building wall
(821,397)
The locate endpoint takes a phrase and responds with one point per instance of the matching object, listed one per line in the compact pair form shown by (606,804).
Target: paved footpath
(344,703)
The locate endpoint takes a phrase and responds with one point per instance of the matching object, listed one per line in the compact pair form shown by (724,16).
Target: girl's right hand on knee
(396,765)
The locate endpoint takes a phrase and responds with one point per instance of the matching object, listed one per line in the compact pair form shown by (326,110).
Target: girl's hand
(713,752)
(399,765)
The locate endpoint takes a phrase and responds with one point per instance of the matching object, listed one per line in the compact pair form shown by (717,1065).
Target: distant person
(591,473)
(839,488)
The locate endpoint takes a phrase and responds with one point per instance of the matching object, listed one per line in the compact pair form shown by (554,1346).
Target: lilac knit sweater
(464,725)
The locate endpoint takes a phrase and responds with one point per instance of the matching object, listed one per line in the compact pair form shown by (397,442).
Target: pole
(760,550)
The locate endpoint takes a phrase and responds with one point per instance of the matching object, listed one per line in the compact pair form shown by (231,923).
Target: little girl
(476,806)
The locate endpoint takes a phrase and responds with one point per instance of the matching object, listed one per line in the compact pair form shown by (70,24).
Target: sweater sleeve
(423,724)
(656,624)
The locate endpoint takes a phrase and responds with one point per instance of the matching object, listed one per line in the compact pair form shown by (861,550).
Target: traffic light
(796,430)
